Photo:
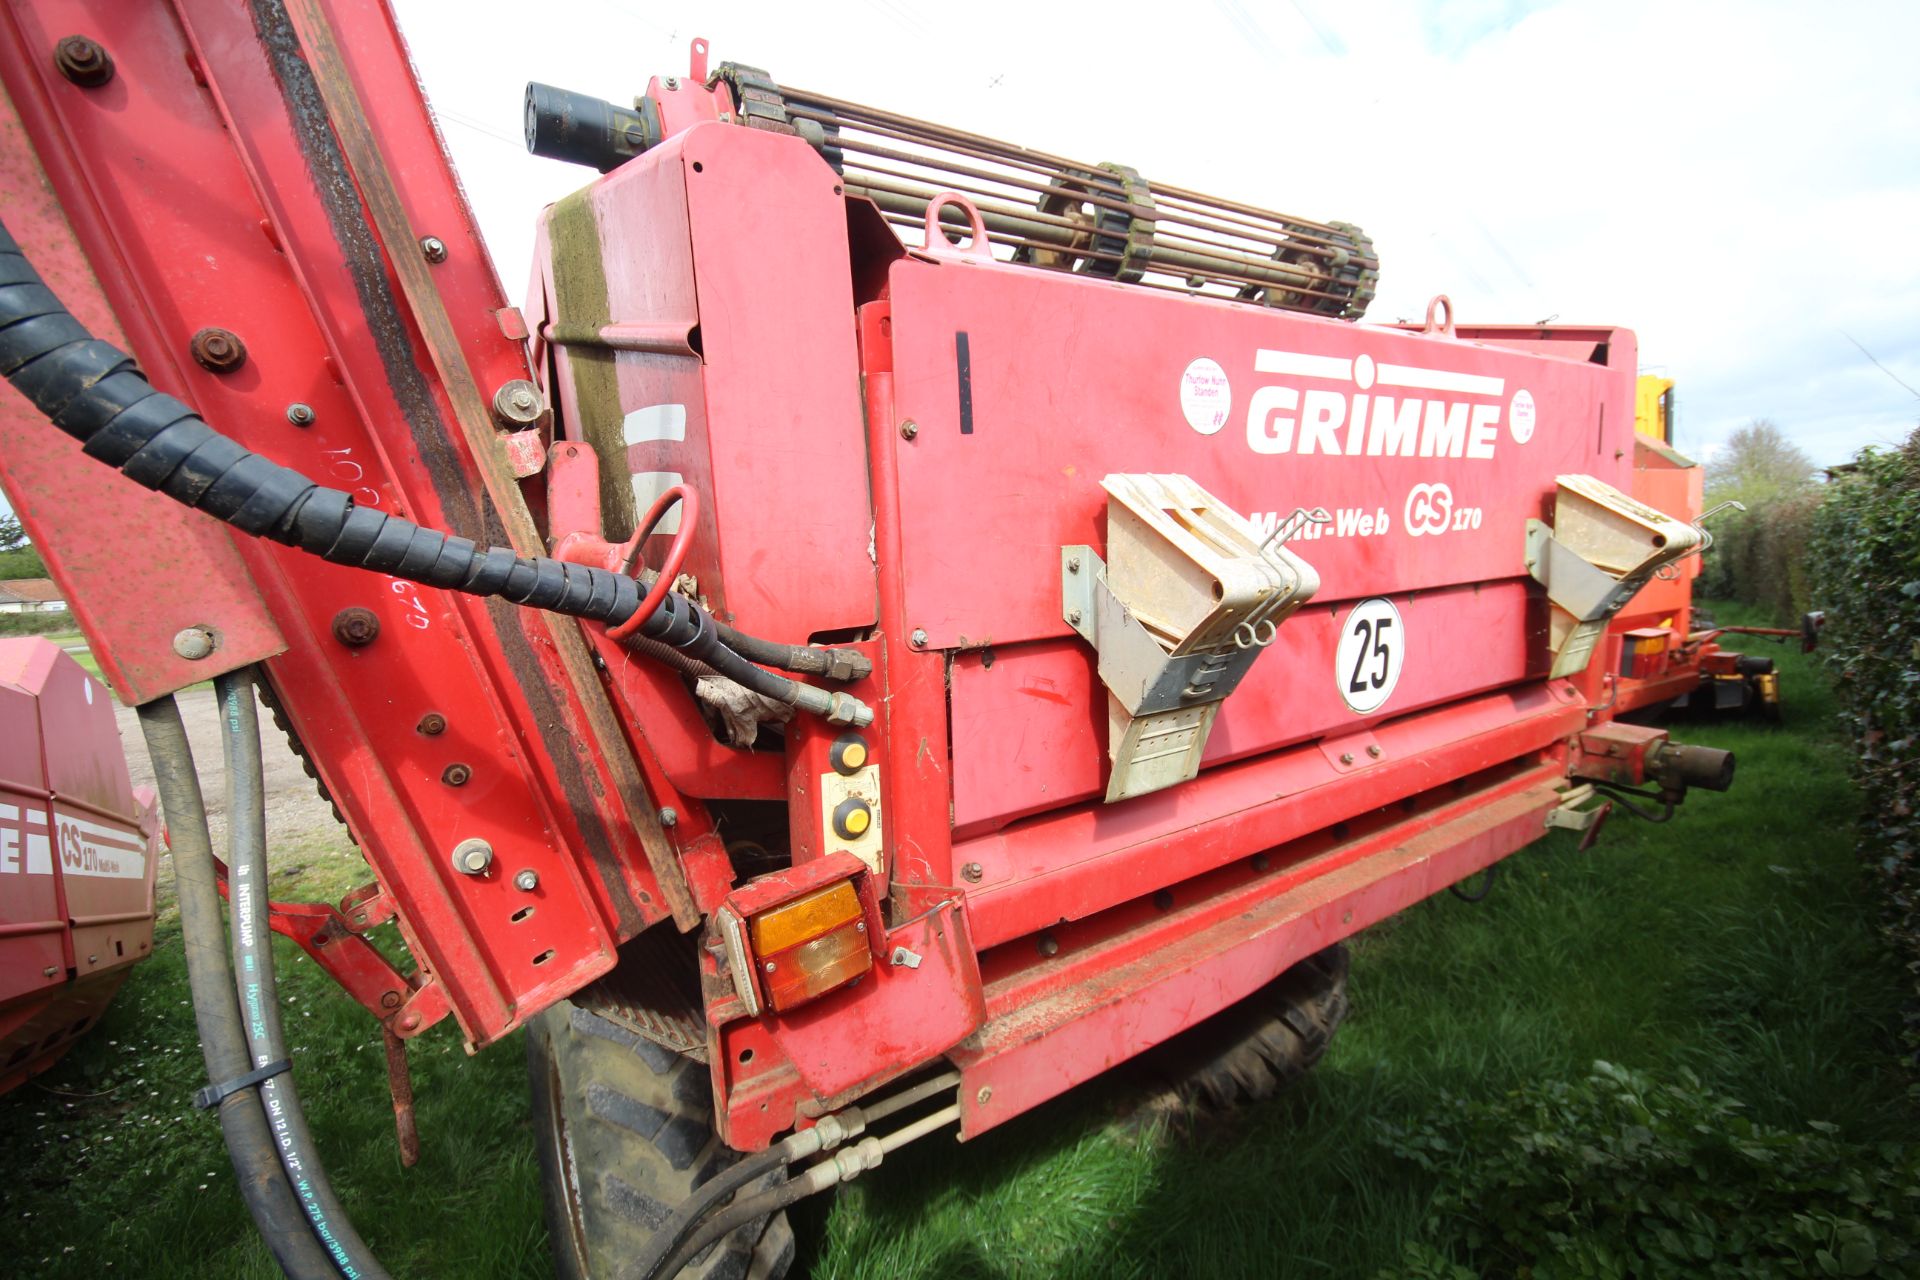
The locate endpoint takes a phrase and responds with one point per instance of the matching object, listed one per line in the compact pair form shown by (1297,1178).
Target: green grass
(1736,941)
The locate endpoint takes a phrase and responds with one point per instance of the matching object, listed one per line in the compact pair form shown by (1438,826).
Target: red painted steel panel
(186,568)
(770,432)
(1073,379)
(1038,1050)
(1029,732)
(1076,861)
(783,381)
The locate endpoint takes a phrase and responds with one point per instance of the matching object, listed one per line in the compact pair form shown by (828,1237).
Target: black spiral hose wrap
(95,393)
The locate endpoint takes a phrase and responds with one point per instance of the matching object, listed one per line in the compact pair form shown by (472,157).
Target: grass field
(1735,943)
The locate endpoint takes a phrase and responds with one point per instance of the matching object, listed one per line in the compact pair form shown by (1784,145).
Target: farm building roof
(29,591)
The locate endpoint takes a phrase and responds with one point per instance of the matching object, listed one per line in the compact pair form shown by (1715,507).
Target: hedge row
(1863,557)
(36,624)
(1759,556)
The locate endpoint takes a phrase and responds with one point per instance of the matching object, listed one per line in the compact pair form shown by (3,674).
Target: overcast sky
(1738,182)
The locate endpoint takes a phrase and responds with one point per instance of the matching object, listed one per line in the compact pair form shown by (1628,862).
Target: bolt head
(909,429)
(972,872)
(83,61)
(1374,751)
(433,249)
(669,816)
(517,403)
(1073,564)
(1346,757)
(193,643)
(356,626)
(218,350)
(526,880)
(1049,945)
(919,638)
(771,966)
(985,1095)
(472,856)
(1073,617)
(300,415)
(432,724)
(390,1000)
(456,775)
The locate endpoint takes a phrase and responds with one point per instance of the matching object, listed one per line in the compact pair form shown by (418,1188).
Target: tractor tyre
(1253,1049)
(625,1133)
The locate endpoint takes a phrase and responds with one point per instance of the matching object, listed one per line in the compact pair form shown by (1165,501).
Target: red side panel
(729,322)
(1070,380)
(783,381)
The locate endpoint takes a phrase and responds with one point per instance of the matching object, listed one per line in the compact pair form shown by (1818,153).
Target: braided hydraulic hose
(257,990)
(262,1181)
(93,391)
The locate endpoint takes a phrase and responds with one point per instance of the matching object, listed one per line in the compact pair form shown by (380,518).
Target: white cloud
(1738,182)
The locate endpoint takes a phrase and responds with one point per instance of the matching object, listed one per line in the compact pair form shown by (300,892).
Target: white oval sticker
(1520,416)
(1372,649)
(1205,396)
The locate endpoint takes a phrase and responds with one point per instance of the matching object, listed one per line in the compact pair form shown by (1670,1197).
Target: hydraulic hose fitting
(845,709)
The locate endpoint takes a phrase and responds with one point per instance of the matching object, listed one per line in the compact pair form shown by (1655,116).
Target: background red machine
(1152,627)
(78,848)
(1662,653)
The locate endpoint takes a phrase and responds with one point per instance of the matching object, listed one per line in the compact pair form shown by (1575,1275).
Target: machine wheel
(1252,1049)
(624,1129)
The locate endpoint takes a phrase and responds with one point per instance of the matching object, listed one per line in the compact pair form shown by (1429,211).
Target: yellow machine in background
(1670,655)
(1653,408)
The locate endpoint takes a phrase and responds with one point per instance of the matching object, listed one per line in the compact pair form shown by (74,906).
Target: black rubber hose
(95,393)
(732,1217)
(243,1124)
(1491,871)
(702,1202)
(256,988)
(833,664)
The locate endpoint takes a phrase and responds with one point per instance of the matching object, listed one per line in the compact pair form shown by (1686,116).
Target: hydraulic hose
(257,991)
(711,1193)
(841,1167)
(243,1124)
(95,393)
(828,1133)
(833,664)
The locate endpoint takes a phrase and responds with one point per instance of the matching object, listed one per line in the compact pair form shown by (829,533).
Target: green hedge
(1863,561)
(37,624)
(1759,556)
(1627,1175)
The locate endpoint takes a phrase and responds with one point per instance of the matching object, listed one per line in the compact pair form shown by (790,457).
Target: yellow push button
(848,755)
(852,818)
